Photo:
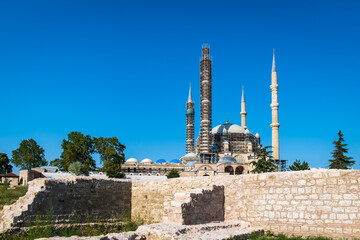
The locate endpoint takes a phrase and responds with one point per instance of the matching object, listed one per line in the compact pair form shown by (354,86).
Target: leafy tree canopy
(265,163)
(77,148)
(78,168)
(173,174)
(111,154)
(339,160)
(28,155)
(299,166)
(5,166)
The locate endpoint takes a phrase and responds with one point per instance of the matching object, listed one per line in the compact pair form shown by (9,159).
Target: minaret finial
(243,95)
(273,63)
(227,119)
(190,95)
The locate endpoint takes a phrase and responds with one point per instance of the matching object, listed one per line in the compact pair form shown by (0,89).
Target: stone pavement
(172,231)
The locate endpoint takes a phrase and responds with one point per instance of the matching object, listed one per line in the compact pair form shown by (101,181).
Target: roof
(9,175)
(160,161)
(227,159)
(175,161)
(227,127)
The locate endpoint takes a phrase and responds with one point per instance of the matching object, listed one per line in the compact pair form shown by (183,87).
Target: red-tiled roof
(9,175)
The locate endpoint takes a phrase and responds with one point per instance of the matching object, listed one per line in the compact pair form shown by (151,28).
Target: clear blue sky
(122,68)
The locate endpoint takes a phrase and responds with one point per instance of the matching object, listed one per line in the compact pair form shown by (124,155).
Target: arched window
(239,170)
(229,169)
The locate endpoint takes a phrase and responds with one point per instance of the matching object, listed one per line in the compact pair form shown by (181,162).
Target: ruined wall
(77,199)
(325,202)
(196,206)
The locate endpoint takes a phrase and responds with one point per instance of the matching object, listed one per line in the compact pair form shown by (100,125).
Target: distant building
(225,149)
(10,178)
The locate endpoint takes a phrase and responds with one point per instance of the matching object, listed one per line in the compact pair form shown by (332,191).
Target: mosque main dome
(228,128)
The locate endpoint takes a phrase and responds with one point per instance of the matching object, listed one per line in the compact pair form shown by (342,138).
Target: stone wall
(196,206)
(325,202)
(77,199)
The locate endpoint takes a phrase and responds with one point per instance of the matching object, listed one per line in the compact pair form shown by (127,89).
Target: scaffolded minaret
(190,113)
(243,109)
(274,112)
(205,101)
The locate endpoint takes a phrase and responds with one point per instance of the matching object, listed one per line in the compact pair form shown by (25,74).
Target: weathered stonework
(79,199)
(196,206)
(325,202)
(305,203)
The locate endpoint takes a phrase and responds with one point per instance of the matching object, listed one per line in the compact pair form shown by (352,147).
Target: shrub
(115,174)
(78,168)
(173,174)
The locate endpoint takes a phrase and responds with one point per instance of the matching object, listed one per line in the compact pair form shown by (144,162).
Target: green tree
(339,160)
(298,166)
(28,155)
(5,166)
(78,168)
(265,162)
(77,148)
(111,155)
(173,174)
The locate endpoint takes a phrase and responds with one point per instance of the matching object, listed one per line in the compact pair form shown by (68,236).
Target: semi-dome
(175,161)
(132,161)
(190,164)
(247,131)
(147,161)
(190,157)
(160,161)
(227,159)
(227,128)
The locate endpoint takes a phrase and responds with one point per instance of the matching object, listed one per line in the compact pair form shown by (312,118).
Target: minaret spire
(190,113)
(190,95)
(243,110)
(274,112)
(273,63)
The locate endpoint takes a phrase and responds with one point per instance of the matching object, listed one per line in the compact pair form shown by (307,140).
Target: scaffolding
(205,101)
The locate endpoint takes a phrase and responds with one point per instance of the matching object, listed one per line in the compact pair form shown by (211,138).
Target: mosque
(225,149)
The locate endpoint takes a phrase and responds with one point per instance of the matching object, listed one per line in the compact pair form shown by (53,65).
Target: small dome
(160,161)
(132,161)
(227,159)
(147,161)
(257,135)
(175,161)
(190,164)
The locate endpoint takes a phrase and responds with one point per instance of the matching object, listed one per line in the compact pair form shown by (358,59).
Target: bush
(78,168)
(115,174)
(173,174)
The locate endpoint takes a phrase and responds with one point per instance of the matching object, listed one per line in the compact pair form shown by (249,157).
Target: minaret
(190,112)
(243,110)
(274,111)
(205,100)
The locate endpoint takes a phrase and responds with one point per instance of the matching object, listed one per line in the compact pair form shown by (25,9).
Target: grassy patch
(270,236)
(10,195)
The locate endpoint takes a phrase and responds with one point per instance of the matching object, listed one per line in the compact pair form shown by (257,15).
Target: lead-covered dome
(147,161)
(227,128)
(227,159)
(132,161)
